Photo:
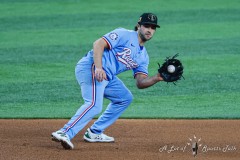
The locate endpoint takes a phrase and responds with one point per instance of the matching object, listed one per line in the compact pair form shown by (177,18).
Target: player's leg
(92,93)
(120,98)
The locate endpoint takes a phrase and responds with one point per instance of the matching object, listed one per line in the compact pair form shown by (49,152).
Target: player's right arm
(108,41)
(98,49)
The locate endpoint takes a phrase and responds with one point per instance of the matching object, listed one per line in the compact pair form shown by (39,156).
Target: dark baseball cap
(148,18)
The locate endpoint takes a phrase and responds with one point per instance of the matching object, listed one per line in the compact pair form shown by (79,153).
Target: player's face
(146,32)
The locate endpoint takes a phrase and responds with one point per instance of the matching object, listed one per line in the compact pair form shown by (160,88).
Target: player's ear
(136,27)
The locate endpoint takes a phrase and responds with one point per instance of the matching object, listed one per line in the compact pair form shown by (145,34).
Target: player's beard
(143,36)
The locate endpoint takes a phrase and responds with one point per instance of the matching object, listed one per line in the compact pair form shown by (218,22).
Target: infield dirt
(134,139)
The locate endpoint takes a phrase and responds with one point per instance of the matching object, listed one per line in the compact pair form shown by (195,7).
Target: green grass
(41,42)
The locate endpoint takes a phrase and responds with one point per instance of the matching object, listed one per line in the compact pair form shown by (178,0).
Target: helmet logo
(152,17)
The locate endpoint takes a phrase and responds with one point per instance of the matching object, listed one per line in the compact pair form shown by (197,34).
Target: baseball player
(117,51)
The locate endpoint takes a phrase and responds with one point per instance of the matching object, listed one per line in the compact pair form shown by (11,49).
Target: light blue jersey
(124,53)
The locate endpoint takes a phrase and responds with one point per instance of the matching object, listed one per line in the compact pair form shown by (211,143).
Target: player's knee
(96,107)
(128,98)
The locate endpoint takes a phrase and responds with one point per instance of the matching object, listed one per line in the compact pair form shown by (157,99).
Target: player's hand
(100,74)
(158,77)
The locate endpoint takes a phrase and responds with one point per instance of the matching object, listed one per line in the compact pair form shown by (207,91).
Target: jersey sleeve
(142,68)
(116,37)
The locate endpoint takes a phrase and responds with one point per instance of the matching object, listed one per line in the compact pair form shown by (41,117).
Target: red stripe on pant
(92,104)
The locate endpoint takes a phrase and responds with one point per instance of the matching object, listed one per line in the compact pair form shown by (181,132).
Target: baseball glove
(171,70)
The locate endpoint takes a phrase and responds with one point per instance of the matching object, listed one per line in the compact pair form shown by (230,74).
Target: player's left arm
(143,81)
